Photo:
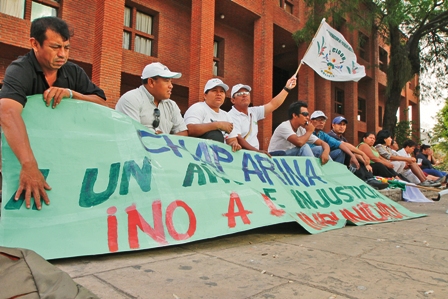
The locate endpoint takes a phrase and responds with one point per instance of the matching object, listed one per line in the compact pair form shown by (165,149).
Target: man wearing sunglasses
(290,138)
(150,104)
(245,119)
(338,150)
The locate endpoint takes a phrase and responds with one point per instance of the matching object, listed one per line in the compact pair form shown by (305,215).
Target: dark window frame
(56,4)
(218,60)
(363,46)
(383,56)
(339,101)
(133,32)
(362,111)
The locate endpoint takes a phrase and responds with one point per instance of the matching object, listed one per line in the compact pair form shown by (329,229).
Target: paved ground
(407,259)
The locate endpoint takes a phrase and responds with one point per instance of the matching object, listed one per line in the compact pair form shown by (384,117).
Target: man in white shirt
(290,138)
(245,118)
(150,104)
(206,120)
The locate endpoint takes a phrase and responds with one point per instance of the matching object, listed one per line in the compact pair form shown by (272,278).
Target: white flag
(332,57)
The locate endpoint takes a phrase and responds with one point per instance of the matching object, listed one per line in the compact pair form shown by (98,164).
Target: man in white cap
(206,120)
(245,119)
(150,104)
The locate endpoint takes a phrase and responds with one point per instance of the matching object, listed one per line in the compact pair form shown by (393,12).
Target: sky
(428,111)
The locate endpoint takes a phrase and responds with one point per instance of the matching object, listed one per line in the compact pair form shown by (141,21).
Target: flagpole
(309,46)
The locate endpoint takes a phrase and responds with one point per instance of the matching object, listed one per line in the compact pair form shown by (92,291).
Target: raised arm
(280,98)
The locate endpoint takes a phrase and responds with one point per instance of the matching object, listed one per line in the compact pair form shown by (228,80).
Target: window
(363,42)
(361,109)
(339,101)
(286,5)
(380,116)
(383,59)
(39,8)
(138,31)
(218,57)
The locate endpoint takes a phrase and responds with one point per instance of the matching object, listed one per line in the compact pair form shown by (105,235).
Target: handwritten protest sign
(118,187)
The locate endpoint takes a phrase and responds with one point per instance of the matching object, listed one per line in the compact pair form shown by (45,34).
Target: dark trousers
(213,135)
(380,169)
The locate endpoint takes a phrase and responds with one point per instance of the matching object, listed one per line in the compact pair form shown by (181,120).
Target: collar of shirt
(61,71)
(146,92)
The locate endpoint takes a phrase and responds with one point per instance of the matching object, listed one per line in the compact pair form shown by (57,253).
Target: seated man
(427,156)
(291,136)
(338,150)
(206,119)
(44,70)
(150,104)
(364,172)
(408,148)
(245,119)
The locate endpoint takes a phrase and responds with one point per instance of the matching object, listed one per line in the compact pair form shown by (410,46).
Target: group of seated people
(301,135)
(150,104)
(46,70)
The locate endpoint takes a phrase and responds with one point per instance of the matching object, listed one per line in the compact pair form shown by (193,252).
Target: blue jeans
(338,155)
(434,172)
(304,150)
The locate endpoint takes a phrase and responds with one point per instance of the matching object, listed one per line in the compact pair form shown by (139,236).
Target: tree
(440,135)
(416,31)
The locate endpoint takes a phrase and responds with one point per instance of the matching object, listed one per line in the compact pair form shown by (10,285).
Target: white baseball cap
(212,83)
(238,87)
(157,69)
(317,114)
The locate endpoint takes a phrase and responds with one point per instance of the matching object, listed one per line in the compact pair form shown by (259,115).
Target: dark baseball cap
(339,119)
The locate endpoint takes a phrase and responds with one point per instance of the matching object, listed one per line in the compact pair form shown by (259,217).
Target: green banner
(118,187)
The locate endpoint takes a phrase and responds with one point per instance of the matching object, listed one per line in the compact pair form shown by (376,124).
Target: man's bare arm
(31,180)
(58,93)
(280,98)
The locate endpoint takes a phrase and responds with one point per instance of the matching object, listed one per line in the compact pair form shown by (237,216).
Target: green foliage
(439,138)
(403,131)
(416,30)
(336,13)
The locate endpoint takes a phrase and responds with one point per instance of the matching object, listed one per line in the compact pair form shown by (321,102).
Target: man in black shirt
(364,172)
(44,70)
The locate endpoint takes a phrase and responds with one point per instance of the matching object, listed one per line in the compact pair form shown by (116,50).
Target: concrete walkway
(406,259)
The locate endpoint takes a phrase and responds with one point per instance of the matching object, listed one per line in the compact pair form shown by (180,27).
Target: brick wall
(184,36)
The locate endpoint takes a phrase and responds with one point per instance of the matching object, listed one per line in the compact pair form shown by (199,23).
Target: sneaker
(424,184)
(440,180)
(429,183)
(377,185)
(434,183)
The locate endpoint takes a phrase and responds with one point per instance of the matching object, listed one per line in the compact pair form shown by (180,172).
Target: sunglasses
(242,93)
(156,121)
(305,113)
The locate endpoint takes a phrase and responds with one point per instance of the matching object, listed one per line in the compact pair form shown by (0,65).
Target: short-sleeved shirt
(403,153)
(201,113)
(246,125)
(139,105)
(24,77)
(336,136)
(279,140)
(332,142)
(426,163)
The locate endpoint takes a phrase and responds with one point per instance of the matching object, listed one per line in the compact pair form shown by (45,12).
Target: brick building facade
(240,41)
